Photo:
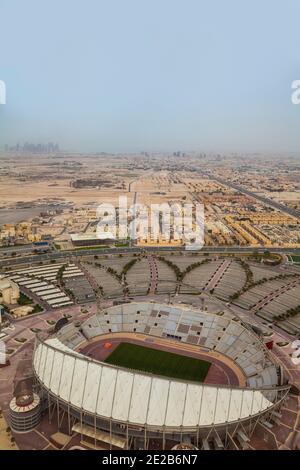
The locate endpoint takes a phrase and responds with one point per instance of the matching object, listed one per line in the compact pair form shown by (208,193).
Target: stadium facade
(125,406)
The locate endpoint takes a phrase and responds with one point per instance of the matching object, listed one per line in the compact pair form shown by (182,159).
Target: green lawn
(157,362)
(295,258)
(24,300)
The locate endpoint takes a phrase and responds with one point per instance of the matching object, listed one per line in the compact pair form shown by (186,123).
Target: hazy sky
(130,75)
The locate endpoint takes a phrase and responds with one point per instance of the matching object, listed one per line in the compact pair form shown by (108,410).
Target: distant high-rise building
(50,147)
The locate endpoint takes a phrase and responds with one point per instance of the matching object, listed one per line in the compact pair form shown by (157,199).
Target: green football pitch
(158,362)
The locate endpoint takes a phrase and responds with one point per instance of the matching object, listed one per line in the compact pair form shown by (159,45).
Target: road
(123,250)
(218,275)
(153,274)
(16,249)
(263,199)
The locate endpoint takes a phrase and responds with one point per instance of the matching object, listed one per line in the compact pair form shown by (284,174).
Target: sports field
(133,356)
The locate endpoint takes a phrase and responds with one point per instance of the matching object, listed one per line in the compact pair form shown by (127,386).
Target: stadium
(152,375)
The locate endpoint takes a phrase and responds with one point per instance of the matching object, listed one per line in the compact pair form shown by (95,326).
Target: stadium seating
(221,333)
(70,336)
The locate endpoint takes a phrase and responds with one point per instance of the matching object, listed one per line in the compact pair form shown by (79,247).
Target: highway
(16,249)
(264,200)
(35,258)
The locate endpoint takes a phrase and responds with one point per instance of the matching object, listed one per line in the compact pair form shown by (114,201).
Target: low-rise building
(9,291)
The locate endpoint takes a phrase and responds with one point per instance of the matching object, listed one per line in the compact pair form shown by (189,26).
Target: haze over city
(149,230)
(128,76)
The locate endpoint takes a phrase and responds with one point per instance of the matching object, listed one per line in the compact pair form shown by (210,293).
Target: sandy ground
(5,437)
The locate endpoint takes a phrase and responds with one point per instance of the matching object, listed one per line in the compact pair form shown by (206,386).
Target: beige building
(9,291)
(22,311)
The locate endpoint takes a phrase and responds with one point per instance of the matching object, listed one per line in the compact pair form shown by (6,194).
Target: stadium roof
(138,398)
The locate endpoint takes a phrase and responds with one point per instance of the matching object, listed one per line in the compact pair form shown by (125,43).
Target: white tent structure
(143,405)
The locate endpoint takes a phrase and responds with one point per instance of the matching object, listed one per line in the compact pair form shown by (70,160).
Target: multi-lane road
(265,200)
(58,255)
